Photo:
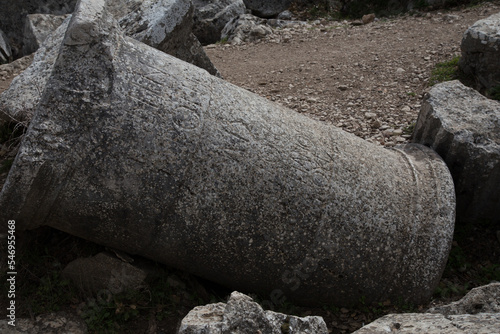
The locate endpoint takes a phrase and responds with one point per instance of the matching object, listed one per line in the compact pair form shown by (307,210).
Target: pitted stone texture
(481,52)
(483,299)
(104,272)
(410,323)
(37,28)
(53,323)
(139,151)
(167,26)
(20,100)
(210,17)
(242,315)
(147,24)
(265,8)
(463,127)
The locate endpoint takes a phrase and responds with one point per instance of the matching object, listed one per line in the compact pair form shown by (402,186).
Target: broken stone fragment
(242,315)
(163,24)
(142,152)
(463,127)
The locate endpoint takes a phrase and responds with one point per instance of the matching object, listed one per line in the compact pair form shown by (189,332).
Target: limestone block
(483,299)
(409,323)
(142,152)
(210,17)
(242,315)
(481,52)
(37,28)
(463,127)
(165,26)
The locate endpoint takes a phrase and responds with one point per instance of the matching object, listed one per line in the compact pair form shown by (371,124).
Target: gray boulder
(165,25)
(139,151)
(210,17)
(245,28)
(5,51)
(242,315)
(20,100)
(104,272)
(462,126)
(265,8)
(481,53)
(37,28)
(477,312)
(13,15)
(410,323)
(483,299)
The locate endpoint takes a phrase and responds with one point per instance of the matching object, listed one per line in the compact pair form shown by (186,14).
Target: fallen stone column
(137,150)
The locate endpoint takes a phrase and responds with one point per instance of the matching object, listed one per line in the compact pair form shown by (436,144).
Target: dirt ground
(368,80)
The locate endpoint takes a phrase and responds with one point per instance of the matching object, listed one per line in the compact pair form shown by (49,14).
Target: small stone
(406,109)
(343,87)
(370,115)
(368,18)
(400,71)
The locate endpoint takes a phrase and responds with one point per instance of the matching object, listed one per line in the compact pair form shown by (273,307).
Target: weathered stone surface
(104,272)
(167,26)
(263,8)
(210,17)
(481,52)
(482,323)
(477,312)
(139,151)
(37,28)
(242,315)
(53,323)
(13,15)
(5,51)
(483,299)
(463,127)
(245,28)
(20,100)
(15,68)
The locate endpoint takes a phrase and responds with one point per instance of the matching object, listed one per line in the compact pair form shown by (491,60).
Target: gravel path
(366,79)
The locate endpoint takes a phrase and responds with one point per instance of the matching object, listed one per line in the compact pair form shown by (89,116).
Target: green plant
(445,71)
(223,40)
(494,93)
(409,129)
(413,94)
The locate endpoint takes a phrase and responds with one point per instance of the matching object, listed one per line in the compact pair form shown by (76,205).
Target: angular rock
(19,101)
(462,126)
(13,15)
(242,315)
(167,26)
(410,323)
(37,28)
(53,323)
(104,272)
(481,51)
(210,17)
(264,8)
(245,28)
(139,151)
(5,51)
(483,299)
